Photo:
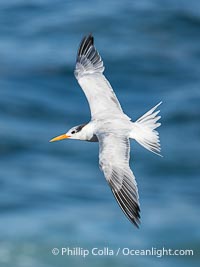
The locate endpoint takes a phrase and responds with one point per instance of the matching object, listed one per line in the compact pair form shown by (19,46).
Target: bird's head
(74,133)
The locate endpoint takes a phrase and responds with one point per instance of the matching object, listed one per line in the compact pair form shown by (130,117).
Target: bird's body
(112,128)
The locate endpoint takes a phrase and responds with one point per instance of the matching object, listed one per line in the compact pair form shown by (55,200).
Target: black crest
(80,127)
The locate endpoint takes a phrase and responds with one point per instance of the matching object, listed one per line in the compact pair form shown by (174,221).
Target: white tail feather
(144,130)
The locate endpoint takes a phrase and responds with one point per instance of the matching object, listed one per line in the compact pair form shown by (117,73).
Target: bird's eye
(73,132)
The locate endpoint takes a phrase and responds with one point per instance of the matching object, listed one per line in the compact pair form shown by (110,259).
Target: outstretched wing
(89,73)
(114,154)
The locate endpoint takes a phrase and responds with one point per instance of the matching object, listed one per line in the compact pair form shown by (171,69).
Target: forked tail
(144,130)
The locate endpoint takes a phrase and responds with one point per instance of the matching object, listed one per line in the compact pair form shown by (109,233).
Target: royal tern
(112,129)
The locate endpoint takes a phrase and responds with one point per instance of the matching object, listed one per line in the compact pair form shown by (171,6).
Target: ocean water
(53,195)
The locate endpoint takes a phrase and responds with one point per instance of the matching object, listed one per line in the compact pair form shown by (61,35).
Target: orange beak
(60,137)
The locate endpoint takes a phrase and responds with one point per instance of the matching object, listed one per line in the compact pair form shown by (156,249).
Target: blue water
(53,195)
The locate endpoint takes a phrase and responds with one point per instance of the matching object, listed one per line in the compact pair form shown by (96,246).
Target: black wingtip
(134,216)
(88,60)
(85,44)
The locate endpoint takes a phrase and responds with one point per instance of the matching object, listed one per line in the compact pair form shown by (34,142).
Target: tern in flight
(112,128)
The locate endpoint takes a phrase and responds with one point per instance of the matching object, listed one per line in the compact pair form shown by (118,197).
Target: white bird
(112,129)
